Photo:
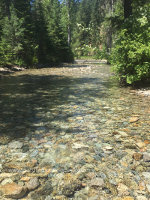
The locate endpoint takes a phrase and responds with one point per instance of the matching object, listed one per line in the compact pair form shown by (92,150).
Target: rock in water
(69,189)
(33,184)
(122,189)
(98,182)
(146,157)
(15,145)
(46,189)
(133,119)
(12,190)
(137,156)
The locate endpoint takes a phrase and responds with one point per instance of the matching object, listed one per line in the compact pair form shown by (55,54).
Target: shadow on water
(31,103)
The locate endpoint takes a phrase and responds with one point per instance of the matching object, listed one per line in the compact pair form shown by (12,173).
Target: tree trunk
(69,28)
(109,30)
(127,8)
(7,8)
(112,6)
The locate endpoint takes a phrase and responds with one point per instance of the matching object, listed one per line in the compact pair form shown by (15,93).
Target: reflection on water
(72,99)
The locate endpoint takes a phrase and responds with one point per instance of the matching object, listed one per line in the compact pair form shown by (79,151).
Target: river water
(80,113)
(49,99)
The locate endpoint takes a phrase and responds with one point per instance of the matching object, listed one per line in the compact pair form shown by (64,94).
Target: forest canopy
(54,31)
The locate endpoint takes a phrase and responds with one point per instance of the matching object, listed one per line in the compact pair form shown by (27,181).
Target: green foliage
(131,55)
(102,54)
(11,44)
(81,44)
(33,33)
(131,52)
(16,45)
(86,32)
(48,31)
(84,50)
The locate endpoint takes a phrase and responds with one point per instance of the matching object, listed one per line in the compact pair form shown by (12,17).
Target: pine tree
(51,40)
(69,10)
(24,11)
(97,17)
(11,46)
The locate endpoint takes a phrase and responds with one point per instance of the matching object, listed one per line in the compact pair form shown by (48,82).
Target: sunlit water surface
(76,99)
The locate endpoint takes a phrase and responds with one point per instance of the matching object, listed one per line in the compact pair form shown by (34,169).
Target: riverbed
(72,132)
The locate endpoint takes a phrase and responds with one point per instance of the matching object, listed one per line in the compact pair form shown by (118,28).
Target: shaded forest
(52,31)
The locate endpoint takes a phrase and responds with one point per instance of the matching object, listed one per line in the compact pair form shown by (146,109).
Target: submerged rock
(69,189)
(15,145)
(12,190)
(146,157)
(137,156)
(85,139)
(32,184)
(123,190)
(97,182)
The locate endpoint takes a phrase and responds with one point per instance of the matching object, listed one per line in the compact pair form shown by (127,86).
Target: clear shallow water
(77,132)
(72,99)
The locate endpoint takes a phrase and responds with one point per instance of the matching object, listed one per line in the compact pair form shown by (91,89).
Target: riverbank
(9,69)
(144,92)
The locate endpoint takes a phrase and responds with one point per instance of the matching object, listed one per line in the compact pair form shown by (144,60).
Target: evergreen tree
(52,44)
(97,17)
(11,45)
(40,32)
(32,32)
(24,11)
(69,10)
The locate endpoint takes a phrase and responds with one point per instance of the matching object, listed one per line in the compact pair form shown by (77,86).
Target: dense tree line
(33,32)
(51,31)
